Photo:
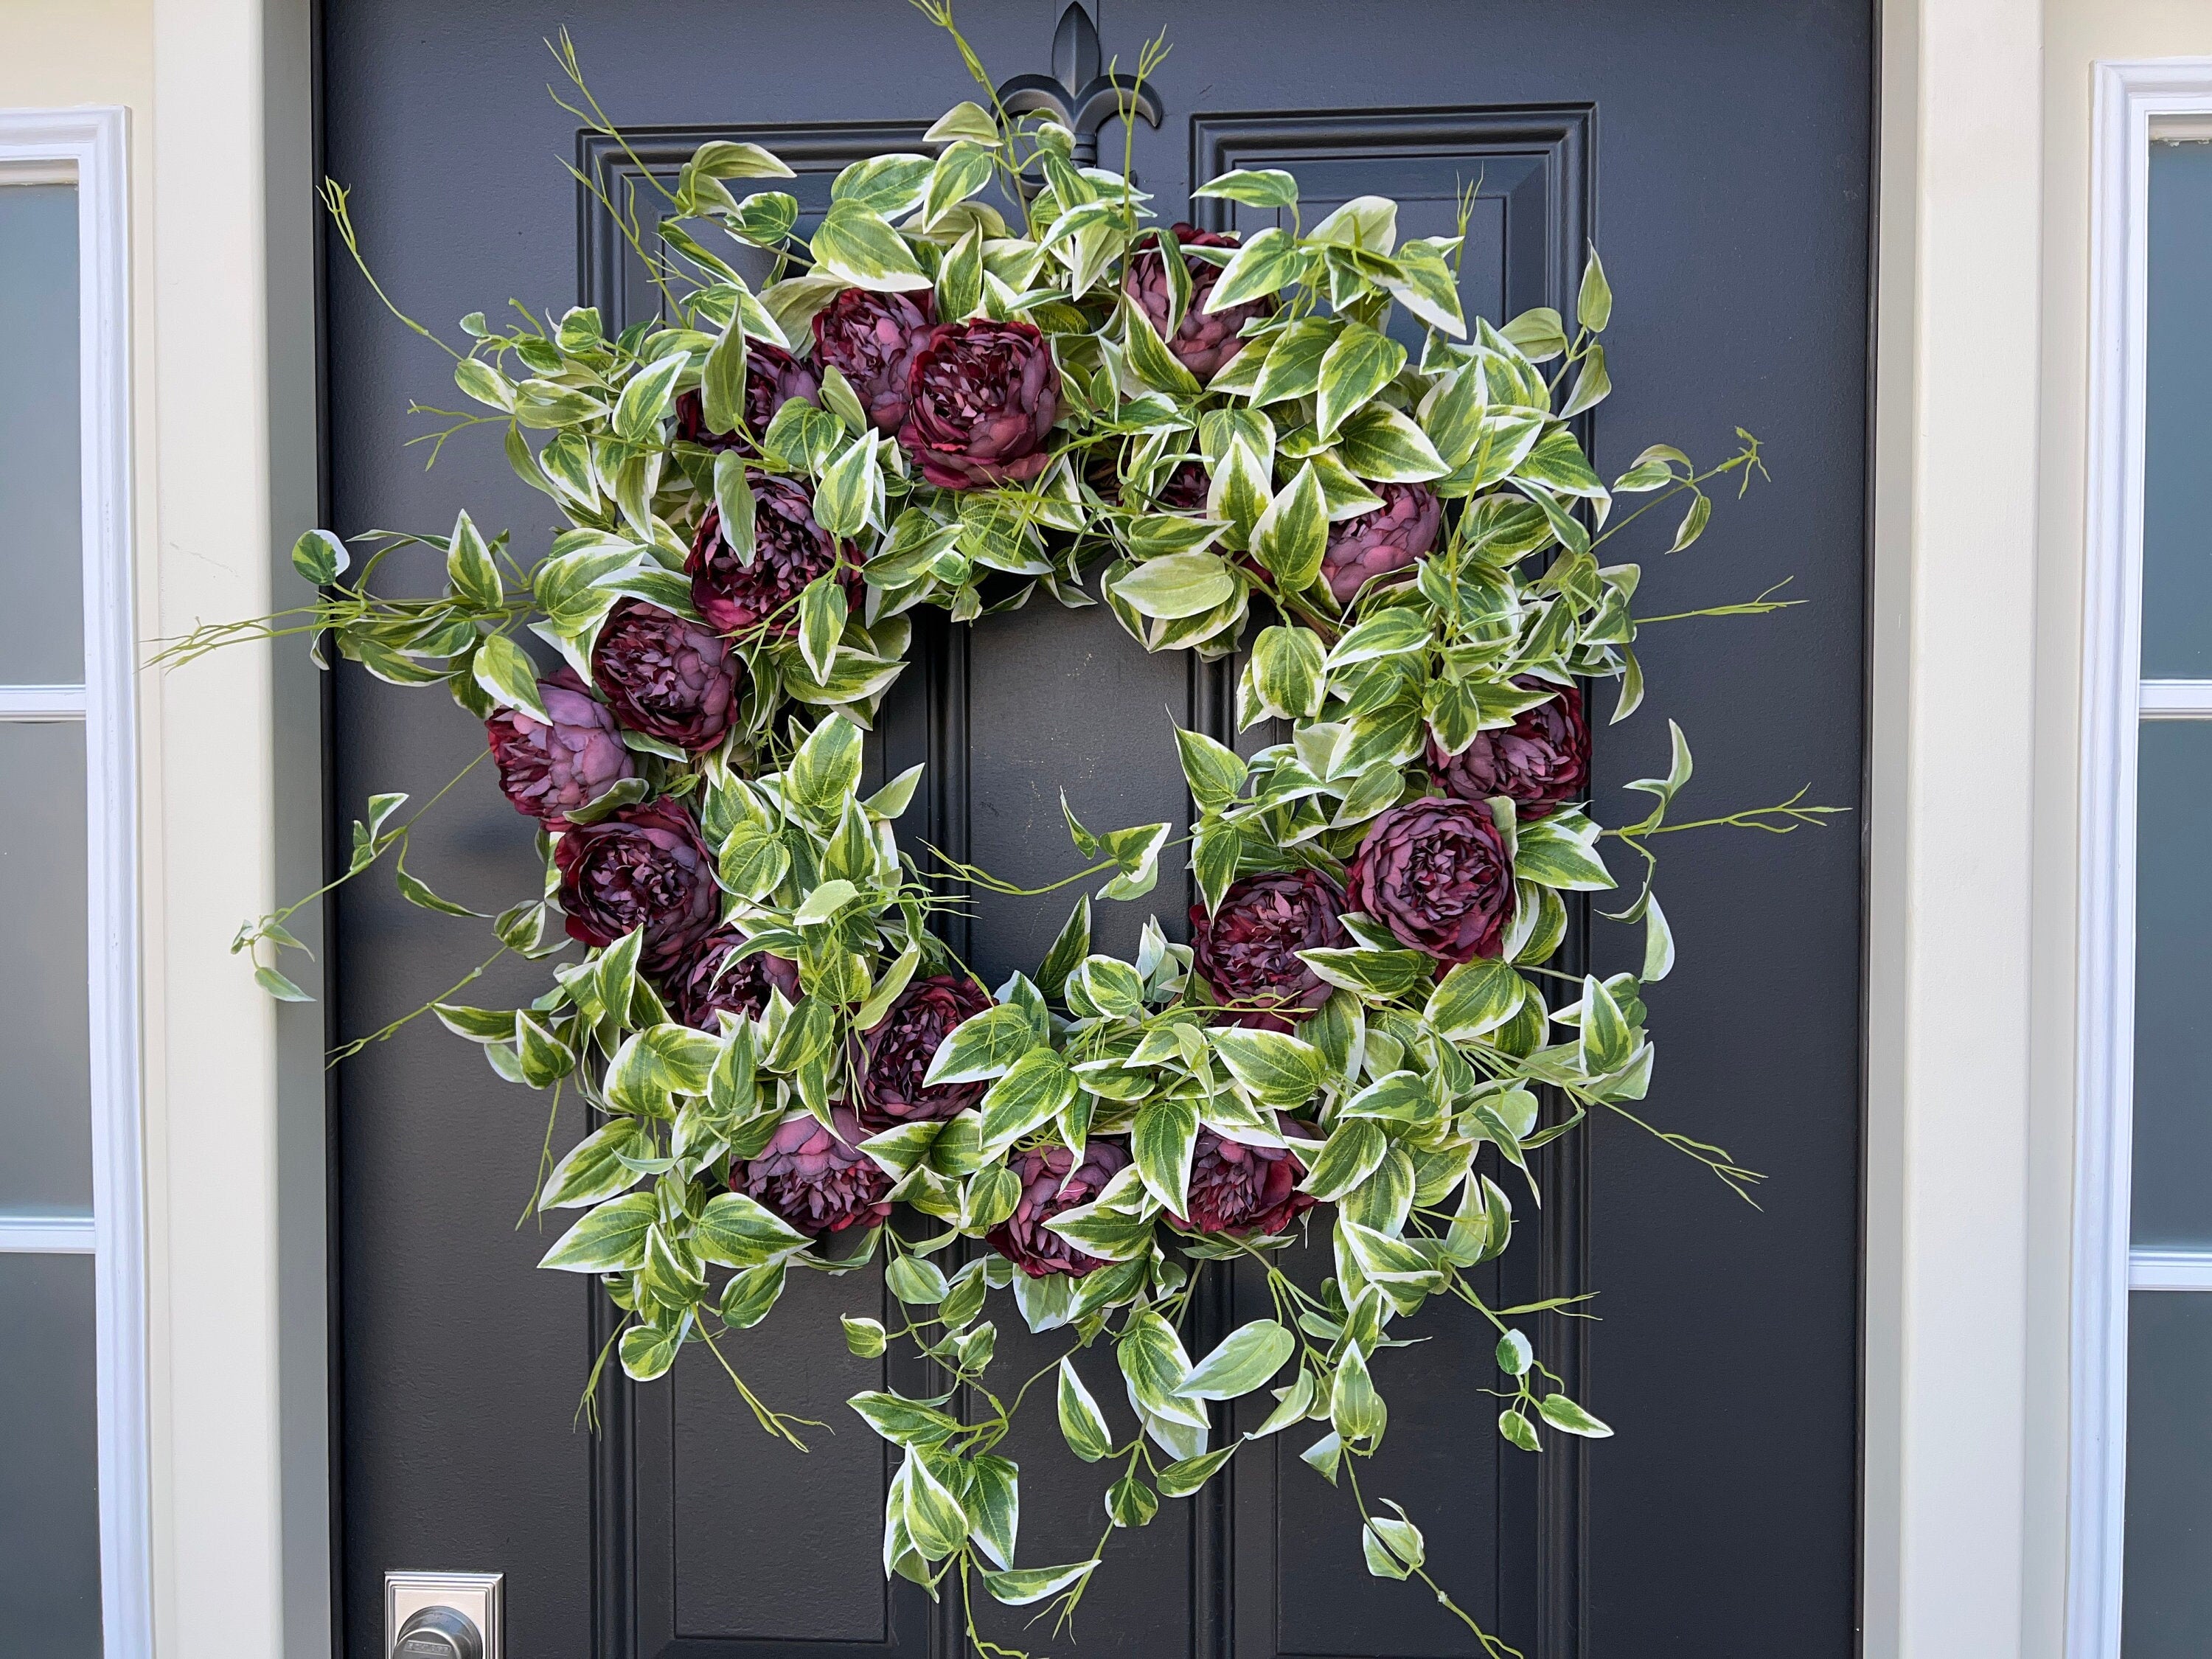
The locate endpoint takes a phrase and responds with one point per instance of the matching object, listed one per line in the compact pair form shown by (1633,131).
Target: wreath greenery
(984,373)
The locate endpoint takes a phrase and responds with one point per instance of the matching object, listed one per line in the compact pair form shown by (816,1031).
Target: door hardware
(444,1615)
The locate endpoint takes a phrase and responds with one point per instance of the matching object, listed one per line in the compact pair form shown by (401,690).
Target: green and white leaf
(1244,1360)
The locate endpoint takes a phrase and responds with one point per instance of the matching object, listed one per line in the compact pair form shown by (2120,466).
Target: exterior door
(1717,152)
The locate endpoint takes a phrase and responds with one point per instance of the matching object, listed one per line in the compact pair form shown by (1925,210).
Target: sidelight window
(2167,1562)
(2142,1394)
(72,1454)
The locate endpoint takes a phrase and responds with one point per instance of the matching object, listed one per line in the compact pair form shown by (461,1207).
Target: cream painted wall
(224,476)
(2077,33)
(77,52)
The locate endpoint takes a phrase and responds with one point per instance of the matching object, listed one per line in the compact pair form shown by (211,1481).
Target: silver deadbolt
(438,1633)
(443,1615)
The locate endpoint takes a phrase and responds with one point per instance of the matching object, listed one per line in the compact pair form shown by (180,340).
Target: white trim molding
(2135,101)
(2175,700)
(48,1235)
(236,1090)
(88,147)
(2175,1269)
(42,703)
(1950,831)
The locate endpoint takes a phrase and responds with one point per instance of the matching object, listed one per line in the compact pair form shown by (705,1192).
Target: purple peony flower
(982,397)
(641,866)
(818,1181)
(703,980)
(550,770)
(1435,872)
(1541,762)
(773,377)
(1048,1189)
(1186,489)
(1203,341)
(1247,949)
(667,677)
(897,1051)
(871,339)
(1395,535)
(789,550)
(1236,1188)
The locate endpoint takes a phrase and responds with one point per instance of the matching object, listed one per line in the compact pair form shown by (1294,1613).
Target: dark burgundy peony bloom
(1047,1190)
(789,550)
(549,770)
(1236,1188)
(1434,871)
(1395,535)
(982,397)
(897,1050)
(1186,489)
(643,866)
(818,1181)
(773,377)
(1247,949)
(667,677)
(871,339)
(702,981)
(1541,762)
(1202,342)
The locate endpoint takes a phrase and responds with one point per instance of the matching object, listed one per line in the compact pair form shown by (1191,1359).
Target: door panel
(1441,1459)
(1528,168)
(744,1547)
(1718,151)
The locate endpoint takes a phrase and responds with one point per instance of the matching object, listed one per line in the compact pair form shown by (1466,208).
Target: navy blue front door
(1717,152)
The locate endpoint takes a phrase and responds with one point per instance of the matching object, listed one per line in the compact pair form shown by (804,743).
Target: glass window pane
(49,1459)
(41,570)
(2167,1600)
(2177,630)
(2173,985)
(45,1084)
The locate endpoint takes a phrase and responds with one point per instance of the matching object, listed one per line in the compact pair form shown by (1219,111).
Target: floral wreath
(985,373)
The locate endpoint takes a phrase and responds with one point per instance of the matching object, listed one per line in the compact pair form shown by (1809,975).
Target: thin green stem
(334,195)
(348,1050)
(1743,458)
(1492,1647)
(775,1422)
(975,1638)
(1758,607)
(545,1157)
(1779,819)
(977,875)
(572,66)
(587,1406)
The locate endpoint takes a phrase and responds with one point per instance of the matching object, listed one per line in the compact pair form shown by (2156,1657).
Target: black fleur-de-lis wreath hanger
(1079,94)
